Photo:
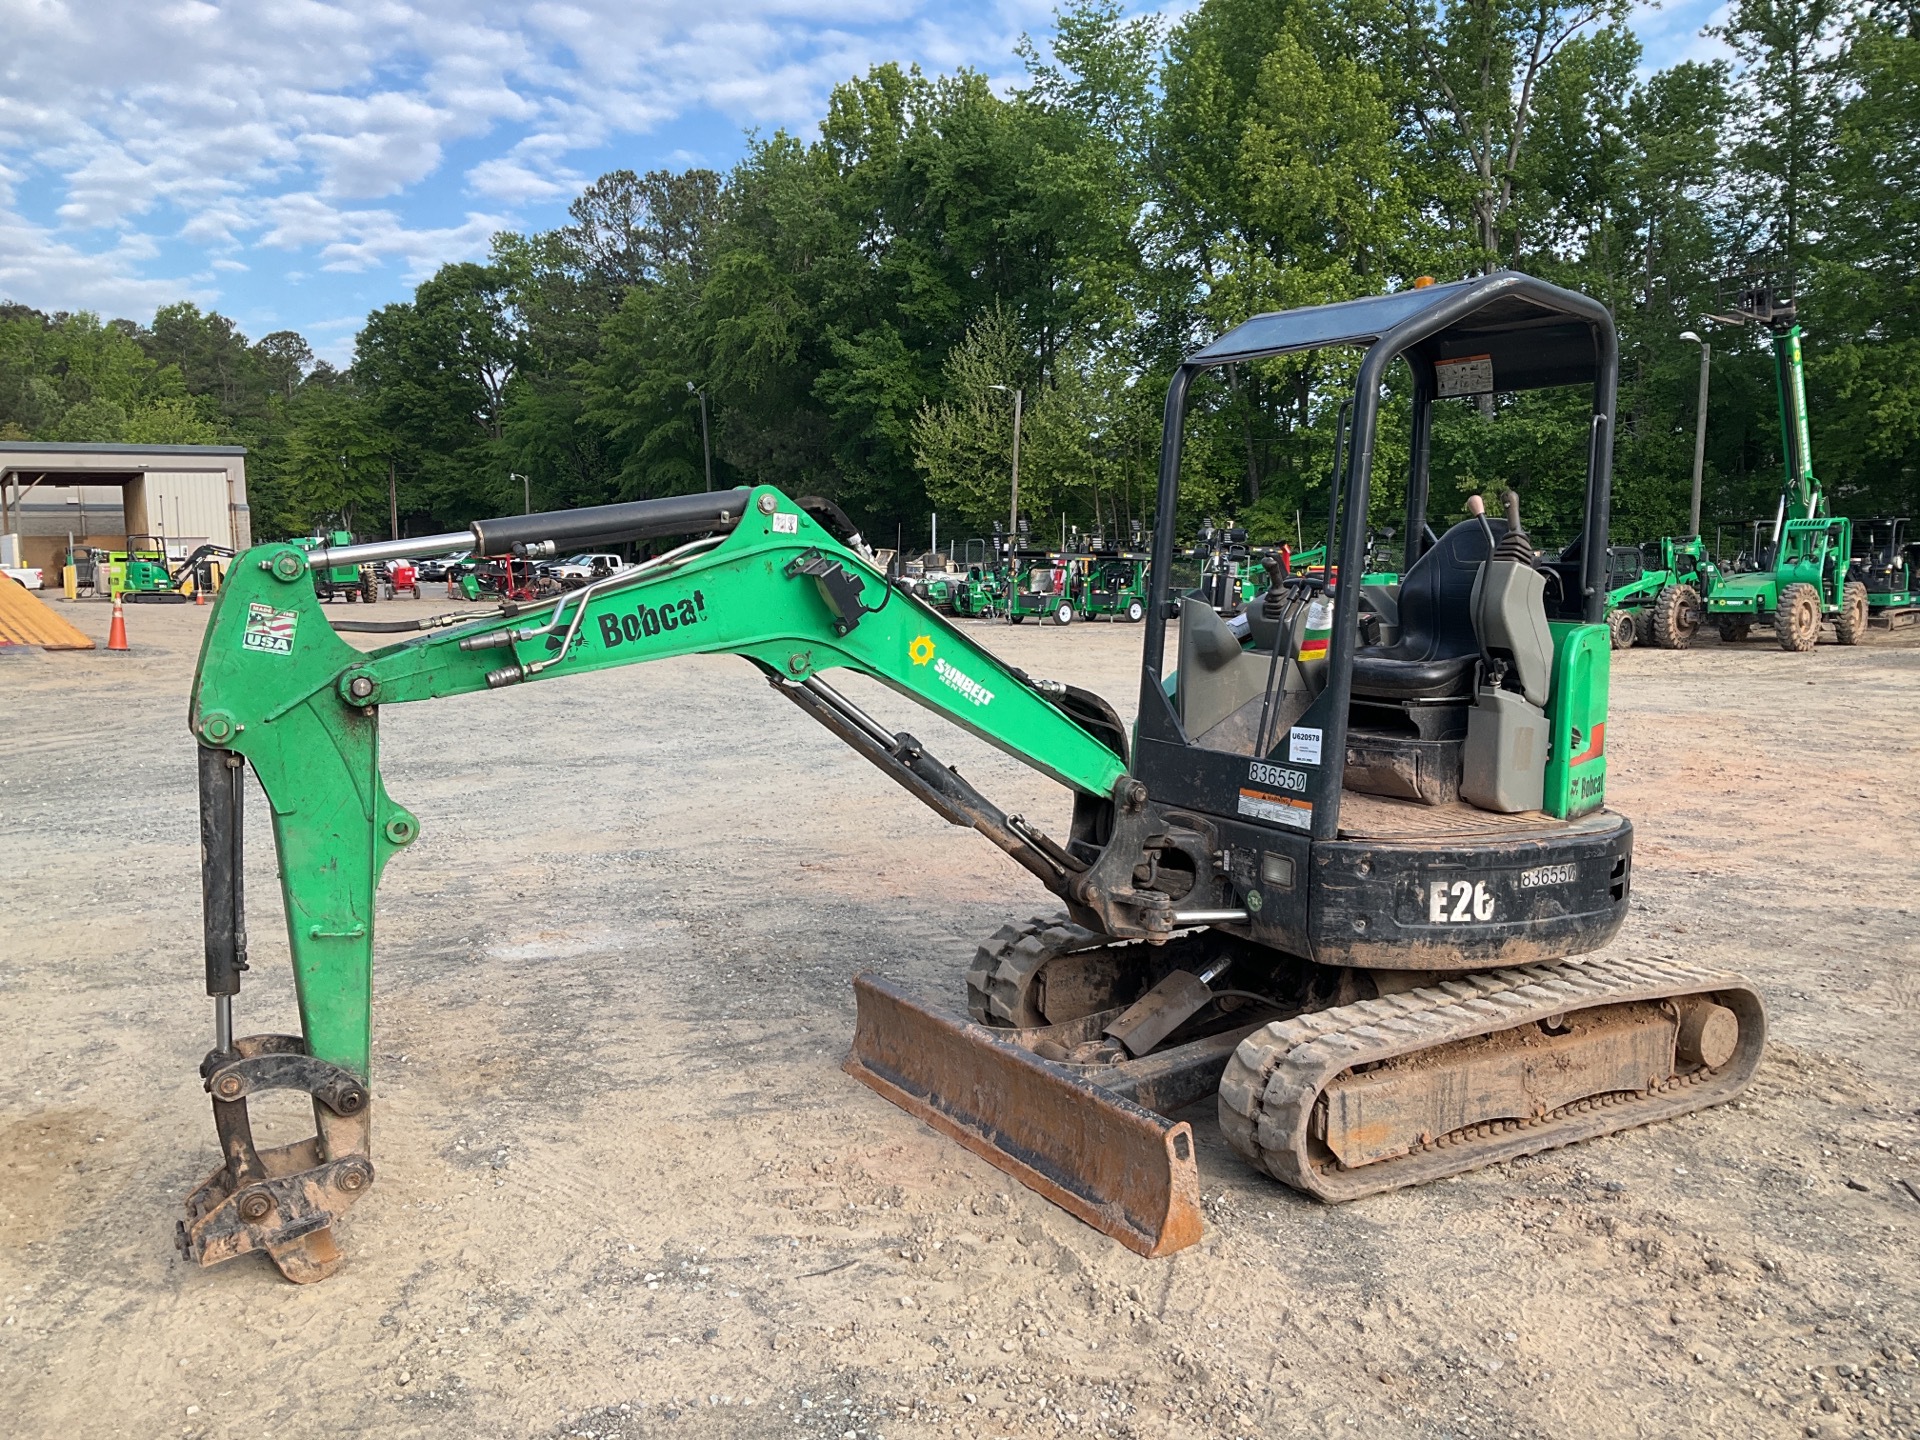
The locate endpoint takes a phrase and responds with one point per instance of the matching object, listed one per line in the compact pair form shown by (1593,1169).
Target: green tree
(963,442)
(1782,127)
(1474,74)
(437,373)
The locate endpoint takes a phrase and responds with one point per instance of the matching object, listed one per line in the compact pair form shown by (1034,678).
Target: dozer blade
(1123,1169)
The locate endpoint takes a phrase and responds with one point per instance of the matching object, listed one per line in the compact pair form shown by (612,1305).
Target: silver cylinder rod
(223,1024)
(1210,917)
(325,558)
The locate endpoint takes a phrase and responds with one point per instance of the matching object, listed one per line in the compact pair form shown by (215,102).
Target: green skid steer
(1348,889)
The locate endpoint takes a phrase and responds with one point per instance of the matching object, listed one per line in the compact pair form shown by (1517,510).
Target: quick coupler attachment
(282,1201)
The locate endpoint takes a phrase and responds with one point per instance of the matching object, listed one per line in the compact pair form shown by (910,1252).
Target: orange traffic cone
(117,631)
(199,595)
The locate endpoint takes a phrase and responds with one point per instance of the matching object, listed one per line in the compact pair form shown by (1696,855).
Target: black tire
(1016,619)
(1850,625)
(1796,623)
(1734,629)
(1643,625)
(1136,612)
(1621,629)
(1676,617)
(1063,613)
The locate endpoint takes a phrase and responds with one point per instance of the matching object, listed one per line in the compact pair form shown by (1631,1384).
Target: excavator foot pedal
(1122,1168)
(280,1201)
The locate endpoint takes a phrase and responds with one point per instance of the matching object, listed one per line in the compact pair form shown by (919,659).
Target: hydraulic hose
(399,627)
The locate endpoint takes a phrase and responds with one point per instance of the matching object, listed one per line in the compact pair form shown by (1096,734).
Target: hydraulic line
(1282,636)
(401,627)
(513,674)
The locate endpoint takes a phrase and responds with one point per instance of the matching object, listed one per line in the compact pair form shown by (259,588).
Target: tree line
(855,309)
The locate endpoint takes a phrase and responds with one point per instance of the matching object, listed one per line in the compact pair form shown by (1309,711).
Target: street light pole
(1699,431)
(706,448)
(1013,513)
(526,491)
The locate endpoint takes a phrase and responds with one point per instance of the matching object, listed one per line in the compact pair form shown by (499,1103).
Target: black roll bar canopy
(1487,335)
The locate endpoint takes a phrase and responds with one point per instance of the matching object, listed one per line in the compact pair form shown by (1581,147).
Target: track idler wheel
(282,1201)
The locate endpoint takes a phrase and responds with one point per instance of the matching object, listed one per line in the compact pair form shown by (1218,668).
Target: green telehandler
(345,581)
(1644,590)
(1352,895)
(1802,575)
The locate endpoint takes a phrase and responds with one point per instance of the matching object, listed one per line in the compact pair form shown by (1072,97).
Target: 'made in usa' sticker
(269,631)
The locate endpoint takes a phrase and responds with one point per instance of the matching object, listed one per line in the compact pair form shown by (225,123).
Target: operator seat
(1434,658)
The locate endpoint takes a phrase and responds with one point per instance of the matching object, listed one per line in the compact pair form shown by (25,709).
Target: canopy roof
(1530,334)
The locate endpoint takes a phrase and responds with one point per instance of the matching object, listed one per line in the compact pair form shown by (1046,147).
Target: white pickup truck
(582,568)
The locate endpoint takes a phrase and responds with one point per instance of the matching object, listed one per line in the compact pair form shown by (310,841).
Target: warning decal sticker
(1469,375)
(1276,809)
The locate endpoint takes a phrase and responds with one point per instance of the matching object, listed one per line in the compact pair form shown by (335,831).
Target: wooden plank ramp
(25,619)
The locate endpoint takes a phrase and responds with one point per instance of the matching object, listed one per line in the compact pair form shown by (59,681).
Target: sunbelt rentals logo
(921,652)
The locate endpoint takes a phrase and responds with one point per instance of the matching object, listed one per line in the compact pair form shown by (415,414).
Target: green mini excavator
(1349,883)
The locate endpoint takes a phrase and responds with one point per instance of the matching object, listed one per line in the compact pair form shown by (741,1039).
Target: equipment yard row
(626,1190)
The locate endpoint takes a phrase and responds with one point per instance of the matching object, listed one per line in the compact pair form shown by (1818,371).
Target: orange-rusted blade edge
(1124,1170)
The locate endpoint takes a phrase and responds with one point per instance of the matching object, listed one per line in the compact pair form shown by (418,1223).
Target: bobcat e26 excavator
(1336,883)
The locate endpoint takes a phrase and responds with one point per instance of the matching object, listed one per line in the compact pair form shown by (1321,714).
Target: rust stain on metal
(1124,1170)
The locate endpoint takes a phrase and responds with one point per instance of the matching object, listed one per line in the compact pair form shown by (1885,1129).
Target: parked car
(441,566)
(579,569)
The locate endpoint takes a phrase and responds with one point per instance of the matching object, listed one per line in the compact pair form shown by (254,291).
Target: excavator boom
(277,690)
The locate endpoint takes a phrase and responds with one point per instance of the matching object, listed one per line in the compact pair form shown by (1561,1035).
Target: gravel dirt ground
(625,1189)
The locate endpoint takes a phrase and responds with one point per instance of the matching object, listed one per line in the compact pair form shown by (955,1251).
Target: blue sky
(295,163)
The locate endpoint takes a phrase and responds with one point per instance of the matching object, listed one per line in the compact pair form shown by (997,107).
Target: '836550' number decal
(1458,902)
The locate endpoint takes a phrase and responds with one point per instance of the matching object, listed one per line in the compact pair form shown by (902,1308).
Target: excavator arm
(279,691)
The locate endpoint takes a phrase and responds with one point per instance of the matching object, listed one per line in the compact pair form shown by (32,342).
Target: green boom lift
(1337,890)
(1802,576)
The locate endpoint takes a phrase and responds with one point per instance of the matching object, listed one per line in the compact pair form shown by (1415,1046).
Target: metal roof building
(99,494)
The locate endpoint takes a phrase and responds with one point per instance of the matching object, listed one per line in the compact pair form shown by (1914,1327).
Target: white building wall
(188,507)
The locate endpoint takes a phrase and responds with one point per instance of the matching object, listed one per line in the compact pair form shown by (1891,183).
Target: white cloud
(45,270)
(230,126)
(290,141)
(513,180)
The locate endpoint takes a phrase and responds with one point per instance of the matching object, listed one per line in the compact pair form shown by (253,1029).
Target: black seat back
(1436,621)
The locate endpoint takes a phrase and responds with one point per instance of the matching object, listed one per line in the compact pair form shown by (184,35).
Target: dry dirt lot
(625,1189)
